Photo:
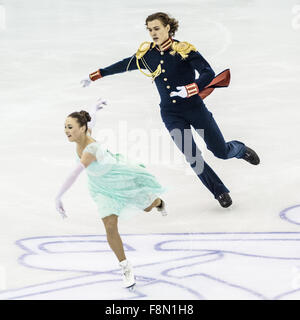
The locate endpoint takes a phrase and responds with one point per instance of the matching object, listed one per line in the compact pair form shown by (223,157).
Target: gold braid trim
(144,47)
(129,63)
(182,48)
(154,74)
(146,64)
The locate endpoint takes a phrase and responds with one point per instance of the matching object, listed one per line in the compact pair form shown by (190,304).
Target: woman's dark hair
(82,118)
(165,19)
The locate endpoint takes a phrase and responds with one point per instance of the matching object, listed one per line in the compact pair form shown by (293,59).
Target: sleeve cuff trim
(95,75)
(192,89)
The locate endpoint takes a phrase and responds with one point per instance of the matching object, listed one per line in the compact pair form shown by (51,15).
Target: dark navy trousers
(179,121)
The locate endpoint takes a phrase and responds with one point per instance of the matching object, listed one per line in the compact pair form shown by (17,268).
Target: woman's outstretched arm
(86,160)
(100,104)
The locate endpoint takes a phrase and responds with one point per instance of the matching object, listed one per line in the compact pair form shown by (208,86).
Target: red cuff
(95,75)
(192,89)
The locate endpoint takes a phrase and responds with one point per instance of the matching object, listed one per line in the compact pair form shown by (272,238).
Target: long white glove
(100,103)
(60,208)
(66,185)
(85,82)
(181,93)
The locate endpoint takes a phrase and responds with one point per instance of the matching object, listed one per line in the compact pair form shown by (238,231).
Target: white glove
(66,185)
(60,208)
(85,82)
(100,103)
(181,93)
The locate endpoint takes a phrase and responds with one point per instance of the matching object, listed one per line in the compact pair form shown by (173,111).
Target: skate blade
(131,288)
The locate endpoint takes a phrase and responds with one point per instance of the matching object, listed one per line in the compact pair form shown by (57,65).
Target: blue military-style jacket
(172,66)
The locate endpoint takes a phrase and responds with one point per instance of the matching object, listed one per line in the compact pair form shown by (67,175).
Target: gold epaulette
(182,48)
(143,48)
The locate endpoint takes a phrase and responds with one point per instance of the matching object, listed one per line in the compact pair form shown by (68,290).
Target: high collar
(165,45)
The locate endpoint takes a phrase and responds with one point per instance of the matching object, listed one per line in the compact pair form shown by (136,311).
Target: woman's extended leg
(113,236)
(116,244)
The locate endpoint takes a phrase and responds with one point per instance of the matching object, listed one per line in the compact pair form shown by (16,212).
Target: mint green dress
(118,186)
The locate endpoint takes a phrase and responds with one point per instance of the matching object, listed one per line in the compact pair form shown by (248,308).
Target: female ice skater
(172,66)
(117,186)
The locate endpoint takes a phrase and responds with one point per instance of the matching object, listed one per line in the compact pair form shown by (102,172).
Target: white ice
(200,250)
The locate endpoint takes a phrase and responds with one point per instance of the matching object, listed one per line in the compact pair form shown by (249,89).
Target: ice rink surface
(200,250)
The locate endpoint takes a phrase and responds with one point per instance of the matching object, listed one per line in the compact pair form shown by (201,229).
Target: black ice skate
(225,200)
(251,156)
(162,208)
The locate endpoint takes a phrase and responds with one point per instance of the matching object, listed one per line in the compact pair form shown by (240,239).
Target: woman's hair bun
(85,115)
(82,118)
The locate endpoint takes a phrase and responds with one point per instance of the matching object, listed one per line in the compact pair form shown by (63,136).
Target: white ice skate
(127,274)
(162,208)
